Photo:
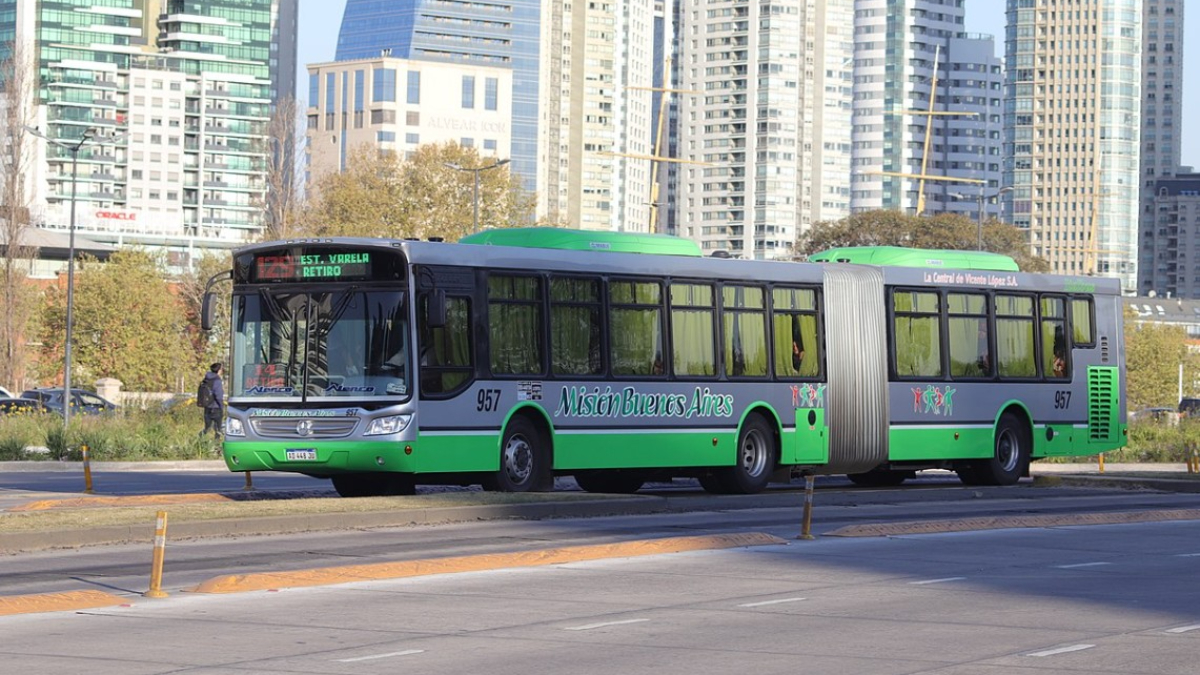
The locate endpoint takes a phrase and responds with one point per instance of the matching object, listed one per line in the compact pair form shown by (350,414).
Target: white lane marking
(372,657)
(1184,629)
(1078,565)
(935,581)
(770,602)
(1061,650)
(1189,555)
(606,623)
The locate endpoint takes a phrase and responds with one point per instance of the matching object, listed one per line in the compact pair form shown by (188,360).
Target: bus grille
(304,427)
(1102,385)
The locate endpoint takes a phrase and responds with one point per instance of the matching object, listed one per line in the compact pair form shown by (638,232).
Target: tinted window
(918,337)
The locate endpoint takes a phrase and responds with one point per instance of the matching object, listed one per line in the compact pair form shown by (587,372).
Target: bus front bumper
(319,458)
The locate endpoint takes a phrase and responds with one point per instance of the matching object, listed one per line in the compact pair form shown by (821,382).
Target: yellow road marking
(56,602)
(237,583)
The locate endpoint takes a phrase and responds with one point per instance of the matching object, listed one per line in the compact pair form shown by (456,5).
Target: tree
(284,202)
(18,79)
(941,231)
(211,346)
(129,324)
(382,195)
(1153,355)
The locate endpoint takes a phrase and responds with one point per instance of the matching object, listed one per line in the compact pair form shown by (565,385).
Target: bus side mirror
(207,310)
(435,309)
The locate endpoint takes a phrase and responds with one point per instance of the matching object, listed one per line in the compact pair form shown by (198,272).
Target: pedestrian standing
(211,397)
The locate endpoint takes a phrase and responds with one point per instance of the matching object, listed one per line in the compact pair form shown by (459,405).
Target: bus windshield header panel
(319,263)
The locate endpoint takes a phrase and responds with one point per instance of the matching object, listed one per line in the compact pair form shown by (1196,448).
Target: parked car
(1189,407)
(4,393)
(1163,415)
(83,402)
(21,406)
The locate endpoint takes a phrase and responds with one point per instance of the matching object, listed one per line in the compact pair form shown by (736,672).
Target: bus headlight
(392,424)
(233,427)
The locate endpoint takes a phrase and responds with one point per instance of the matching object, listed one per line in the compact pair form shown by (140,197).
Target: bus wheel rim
(518,459)
(1007,450)
(753,453)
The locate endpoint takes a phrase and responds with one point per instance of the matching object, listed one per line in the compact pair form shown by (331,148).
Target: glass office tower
(184,88)
(502,33)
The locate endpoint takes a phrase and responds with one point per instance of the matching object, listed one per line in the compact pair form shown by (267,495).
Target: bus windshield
(317,344)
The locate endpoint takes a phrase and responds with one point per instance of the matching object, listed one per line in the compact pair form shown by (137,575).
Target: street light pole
(475,199)
(73,148)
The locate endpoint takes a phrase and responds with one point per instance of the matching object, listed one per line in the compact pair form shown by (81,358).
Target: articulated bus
(518,355)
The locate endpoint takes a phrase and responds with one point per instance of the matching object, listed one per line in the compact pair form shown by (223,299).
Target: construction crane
(929,114)
(657,158)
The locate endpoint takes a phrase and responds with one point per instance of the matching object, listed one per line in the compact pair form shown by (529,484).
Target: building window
(384,82)
(491,93)
(414,87)
(468,91)
(414,139)
(386,136)
(489,144)
(314,88)
(467,142)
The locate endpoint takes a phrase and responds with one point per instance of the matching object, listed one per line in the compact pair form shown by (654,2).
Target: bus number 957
(1062,399)
(488,400)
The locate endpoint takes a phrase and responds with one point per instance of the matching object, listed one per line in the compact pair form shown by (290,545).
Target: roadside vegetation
(131,435)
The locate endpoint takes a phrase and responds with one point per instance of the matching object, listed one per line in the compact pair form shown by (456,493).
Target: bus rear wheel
(615,481)
(1010,457)
(524,460)
(757,451)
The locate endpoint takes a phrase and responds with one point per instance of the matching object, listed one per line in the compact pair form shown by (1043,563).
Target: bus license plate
(307,455)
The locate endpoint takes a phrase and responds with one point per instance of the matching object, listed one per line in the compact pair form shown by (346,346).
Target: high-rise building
(1162,263)
(1072,120)
(767,133)
(899,45)
(285,15)
(503,33)
(185,88)
(396,105)
(599,114)
(1176,240)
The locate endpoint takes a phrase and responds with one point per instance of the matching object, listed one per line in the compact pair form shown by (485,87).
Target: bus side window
(1055,360)
(794,329)
(445,353)
(1083,320)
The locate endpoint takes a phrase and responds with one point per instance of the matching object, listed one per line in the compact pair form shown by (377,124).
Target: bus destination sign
(339,266)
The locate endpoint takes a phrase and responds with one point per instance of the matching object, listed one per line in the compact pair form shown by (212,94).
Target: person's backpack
(204,394)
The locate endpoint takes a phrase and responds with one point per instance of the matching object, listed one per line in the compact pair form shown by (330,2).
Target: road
(1101,599)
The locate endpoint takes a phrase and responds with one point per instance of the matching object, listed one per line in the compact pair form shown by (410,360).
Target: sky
(321,19)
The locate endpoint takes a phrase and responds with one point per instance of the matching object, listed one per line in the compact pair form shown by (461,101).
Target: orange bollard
(160,545)
(1101,456)
(806,527)
(87,469)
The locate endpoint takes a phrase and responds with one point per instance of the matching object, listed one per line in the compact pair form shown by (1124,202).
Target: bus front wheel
(524,459)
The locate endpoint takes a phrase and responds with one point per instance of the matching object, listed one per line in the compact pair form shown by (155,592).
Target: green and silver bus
(519,355)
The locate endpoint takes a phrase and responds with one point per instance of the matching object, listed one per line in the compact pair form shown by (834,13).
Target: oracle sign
(116,215)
